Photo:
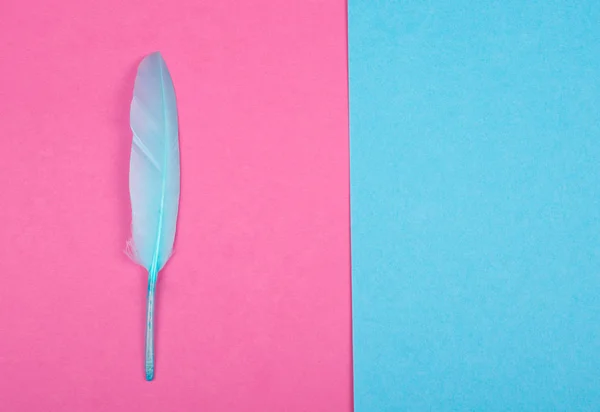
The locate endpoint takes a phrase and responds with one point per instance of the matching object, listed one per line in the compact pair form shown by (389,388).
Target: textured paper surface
(475,153)
(254,307)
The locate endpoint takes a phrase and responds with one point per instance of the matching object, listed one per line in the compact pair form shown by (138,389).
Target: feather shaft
(150,328)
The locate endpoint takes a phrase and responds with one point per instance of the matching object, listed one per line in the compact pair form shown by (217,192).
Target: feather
(153,178)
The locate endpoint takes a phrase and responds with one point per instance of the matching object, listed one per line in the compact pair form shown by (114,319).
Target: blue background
(475,186)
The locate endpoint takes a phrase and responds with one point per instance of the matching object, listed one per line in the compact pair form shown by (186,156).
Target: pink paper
(254,307)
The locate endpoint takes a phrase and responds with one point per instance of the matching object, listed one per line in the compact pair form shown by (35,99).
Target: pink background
(254,307)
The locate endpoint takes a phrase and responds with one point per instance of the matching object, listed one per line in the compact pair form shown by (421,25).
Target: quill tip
(149,374)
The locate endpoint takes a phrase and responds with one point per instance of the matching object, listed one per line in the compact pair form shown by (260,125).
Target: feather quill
(154,178)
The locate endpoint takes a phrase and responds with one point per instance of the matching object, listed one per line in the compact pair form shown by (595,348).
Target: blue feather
(153,178)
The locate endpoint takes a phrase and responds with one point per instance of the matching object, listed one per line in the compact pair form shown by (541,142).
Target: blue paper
(475,199)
